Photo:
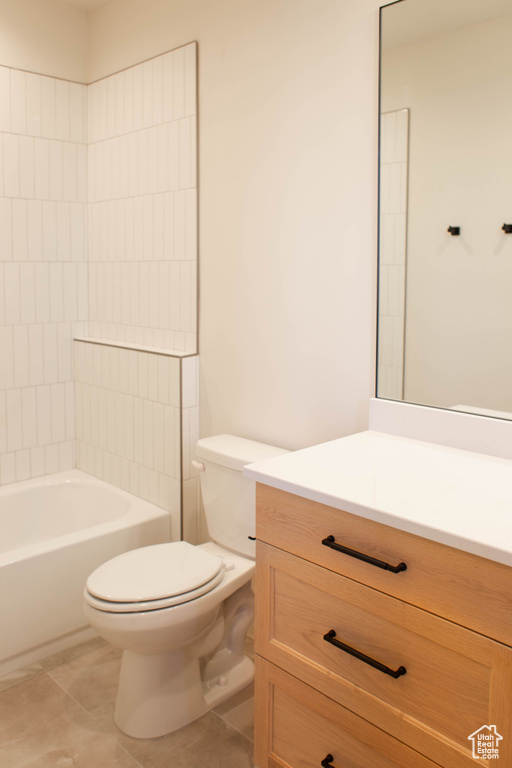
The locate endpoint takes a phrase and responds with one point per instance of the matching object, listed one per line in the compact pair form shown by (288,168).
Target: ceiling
(85,5)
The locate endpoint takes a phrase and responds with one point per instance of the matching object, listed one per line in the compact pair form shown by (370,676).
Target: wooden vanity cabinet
(374,667)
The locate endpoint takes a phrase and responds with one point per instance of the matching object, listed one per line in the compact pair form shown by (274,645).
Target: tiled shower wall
(122,269)
(392,252)
(43,269)
(143,209)
(134,405)
(136,414)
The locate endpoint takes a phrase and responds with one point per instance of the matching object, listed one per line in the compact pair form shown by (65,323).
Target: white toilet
(181,612)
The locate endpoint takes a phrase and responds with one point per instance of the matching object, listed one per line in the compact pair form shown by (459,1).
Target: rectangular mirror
(445,198)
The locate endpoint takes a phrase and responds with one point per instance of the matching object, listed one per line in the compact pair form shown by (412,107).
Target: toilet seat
(152,605)
(154,577)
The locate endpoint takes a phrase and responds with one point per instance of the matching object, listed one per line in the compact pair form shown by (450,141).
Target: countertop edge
(422,529)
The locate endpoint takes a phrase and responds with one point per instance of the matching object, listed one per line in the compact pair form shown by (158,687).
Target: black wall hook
(507,228)
(453,230)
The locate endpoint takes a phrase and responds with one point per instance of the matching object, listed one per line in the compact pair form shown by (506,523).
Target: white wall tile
(167,88)
(179,225)
(66,455)
(5,230)
(7,468)
(178,83)
(11,144)
(190,381)
(5,99)
(41,169)
(14,423)
(102,110)
(51,364)
(48,107)
(70,411)
(56,170)
(56,284)
(64,353)
(174,295)
(128,112)
(153,382)
(21,362)
(70,172)
(62,110)
(12,293)
(190,436)
(111,105)
(138,100)
(2,294)
(173,156)
(51,459)
(42,292)
(157,90)
(3,423)
(34,230)
(142,163)
(22,465)
(37,466)
(147,93)
(191,224)
(186,173)
(35,354)
(33,104)
(27,166)
(1,164)
(29,417)
(49,225)
(77,112)
(18,102)
(190,98)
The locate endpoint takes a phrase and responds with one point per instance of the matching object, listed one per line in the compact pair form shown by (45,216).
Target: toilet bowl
(180,612)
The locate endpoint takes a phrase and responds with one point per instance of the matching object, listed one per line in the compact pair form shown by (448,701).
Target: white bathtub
(53,532)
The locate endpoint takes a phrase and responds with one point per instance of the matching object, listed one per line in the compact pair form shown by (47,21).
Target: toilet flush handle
(198,465)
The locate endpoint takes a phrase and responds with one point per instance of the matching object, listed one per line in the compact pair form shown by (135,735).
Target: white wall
(287,178)
(44,36)
(458,319)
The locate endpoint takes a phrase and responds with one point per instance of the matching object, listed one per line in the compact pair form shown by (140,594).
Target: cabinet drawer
(454,681)
(438,578)
(297,727)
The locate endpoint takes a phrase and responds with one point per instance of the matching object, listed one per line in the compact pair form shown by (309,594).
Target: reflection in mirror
(445,297)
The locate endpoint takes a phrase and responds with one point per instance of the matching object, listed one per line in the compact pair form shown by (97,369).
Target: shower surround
(98,207)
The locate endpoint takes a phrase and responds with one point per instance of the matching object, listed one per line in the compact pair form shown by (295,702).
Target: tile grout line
(90,714)
(232,727)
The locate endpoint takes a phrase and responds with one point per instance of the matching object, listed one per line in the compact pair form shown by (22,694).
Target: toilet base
(227,685)
(161,693)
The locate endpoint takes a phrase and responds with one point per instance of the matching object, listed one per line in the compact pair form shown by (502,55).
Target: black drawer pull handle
(330,542)
(327,762)
(331,638)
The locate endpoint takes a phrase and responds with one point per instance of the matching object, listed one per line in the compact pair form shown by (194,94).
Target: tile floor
(58,714)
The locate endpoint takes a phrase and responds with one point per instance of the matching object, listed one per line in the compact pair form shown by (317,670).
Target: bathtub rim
(138,511)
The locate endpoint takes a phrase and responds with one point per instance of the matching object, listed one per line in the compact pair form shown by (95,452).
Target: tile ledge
(136,347)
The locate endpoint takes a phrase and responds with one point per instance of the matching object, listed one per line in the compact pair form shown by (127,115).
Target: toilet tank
(229,499)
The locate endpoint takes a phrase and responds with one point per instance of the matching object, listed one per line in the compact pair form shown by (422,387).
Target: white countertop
(454,497)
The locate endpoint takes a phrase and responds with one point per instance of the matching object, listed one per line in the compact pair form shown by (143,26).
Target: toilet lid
(154,573)
(107,606)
